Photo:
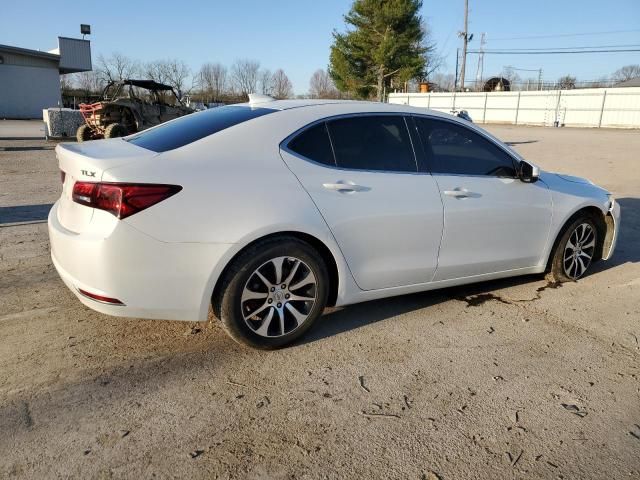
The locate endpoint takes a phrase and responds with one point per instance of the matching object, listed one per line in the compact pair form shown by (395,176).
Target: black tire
(84,133)
(227,300)
(115,130)
(560,267)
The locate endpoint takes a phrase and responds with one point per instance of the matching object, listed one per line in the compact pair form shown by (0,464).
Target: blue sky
(296,35)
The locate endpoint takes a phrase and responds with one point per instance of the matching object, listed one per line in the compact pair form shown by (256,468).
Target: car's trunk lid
(87,162)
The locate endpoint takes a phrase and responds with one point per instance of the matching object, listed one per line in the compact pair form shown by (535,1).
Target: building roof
(29,53)
(72,55)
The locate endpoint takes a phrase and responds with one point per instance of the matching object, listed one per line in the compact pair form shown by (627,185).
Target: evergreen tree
(385,43)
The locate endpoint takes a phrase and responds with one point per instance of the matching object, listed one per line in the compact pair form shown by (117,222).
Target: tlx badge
(87,173)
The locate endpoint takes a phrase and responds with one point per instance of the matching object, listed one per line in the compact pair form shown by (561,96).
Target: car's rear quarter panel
(236,189)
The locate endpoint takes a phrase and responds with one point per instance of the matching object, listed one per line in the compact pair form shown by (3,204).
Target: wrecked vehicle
(129,106)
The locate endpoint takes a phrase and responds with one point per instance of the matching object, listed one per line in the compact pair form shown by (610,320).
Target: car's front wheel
(575,251)
(272,293)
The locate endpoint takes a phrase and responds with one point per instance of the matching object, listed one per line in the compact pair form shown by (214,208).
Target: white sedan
(267,212)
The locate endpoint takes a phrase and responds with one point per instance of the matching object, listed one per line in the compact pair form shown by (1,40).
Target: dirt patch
(516,378)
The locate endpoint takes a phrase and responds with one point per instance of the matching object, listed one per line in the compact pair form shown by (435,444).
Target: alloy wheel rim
(578,251)
(278,297)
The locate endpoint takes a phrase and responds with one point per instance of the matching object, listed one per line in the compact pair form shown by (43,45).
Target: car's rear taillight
(121,199)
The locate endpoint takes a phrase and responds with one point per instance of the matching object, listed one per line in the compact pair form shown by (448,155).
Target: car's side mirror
(528,173)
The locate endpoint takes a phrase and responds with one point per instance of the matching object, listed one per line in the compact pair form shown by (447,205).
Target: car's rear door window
(372,142)
(195,126)
(314,144)
(457,150)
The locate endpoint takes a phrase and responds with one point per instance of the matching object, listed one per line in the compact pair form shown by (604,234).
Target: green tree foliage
(384,42)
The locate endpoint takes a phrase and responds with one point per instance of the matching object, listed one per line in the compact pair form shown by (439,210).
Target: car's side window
(372,142)
(314,144)
(455,149)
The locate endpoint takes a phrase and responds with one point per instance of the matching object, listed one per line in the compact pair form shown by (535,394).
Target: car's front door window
(457,150)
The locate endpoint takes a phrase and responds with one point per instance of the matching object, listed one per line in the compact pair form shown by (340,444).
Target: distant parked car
(270,211)
(129,106)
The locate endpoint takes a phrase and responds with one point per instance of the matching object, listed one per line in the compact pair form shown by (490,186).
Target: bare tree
(444,81)
(219,82)
(266,82)
(626,73)
(530,83)
(601,82)
(212,79)
(321,85)
(510,74)
(66,84)
(116,67)
(177,72)
(434,61)
(155,70)
(567,82)
(88,82)
(244,74)
(282,86)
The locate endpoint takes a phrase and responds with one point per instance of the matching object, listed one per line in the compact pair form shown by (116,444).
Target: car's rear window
(195,126)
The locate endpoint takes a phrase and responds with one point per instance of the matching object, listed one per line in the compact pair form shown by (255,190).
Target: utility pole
(465,39)
(540,79)
(480,69)
(455,83)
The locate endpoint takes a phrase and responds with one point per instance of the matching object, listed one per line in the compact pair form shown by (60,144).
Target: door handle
(345,187)
(458,193)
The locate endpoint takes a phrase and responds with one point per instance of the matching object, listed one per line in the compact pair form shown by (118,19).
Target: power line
(551,52)
(563,35)
(523,69)
(573,48)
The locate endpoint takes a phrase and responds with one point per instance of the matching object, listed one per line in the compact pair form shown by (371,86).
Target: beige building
(30,79)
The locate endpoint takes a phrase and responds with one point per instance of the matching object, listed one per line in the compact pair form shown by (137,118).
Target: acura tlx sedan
(267,212)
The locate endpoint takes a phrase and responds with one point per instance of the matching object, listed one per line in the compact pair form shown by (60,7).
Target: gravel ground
(504,379)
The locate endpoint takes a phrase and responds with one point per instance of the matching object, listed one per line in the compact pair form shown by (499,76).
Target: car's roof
(341,106)
(308,110)
(297,103)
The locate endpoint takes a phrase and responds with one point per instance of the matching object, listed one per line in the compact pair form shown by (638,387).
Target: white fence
(592,107)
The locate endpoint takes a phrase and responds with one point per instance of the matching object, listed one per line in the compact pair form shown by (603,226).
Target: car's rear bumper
(613,229)
(152,279)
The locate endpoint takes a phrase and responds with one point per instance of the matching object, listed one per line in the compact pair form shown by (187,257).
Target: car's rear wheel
(114,130)
(575,250)
(84,133)
(272,293)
